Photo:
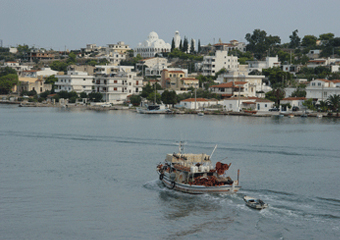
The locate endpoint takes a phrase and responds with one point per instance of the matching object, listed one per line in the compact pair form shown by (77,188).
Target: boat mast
(213,151)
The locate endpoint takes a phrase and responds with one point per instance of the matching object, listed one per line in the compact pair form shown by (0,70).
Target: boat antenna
(181,146)
(213,151)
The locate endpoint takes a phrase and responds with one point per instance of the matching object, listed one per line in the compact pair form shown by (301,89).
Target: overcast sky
(75,23)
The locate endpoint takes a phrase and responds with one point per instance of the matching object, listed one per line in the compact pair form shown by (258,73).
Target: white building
(155,65)
(233,45)
(198,103)
(118,86)
(44,73)
(236,104)
(259,65)
(111,69)
(152,46)
(238,76)
(294,101)
(212,64)
(321,89)
(233,89)
(74,81)
(17,67)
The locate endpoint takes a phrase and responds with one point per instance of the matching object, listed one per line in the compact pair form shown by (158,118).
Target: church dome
(153,36)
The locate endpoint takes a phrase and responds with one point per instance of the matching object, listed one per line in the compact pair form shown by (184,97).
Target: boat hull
(199,189)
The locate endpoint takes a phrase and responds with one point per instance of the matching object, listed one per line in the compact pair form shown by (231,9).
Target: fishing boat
(154,109)
(194,173)
(290,115)
(254,203)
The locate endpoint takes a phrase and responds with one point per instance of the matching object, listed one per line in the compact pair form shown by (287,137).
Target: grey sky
(74,23)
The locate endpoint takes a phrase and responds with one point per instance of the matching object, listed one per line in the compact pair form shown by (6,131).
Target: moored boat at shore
(194,173)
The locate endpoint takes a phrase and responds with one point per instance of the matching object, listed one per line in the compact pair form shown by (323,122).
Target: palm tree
(334,102)
(323,106)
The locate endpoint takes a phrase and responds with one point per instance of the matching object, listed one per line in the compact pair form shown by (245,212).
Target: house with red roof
(321,89)
(237,104)
(294,101)
(198,103)
(233,89)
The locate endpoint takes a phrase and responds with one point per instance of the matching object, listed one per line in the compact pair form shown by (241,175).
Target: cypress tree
(192,47)
(185,44)
(180,45)
(172,44)
(199,46)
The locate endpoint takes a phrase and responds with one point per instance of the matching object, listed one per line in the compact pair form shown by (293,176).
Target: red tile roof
(324,80)
(294,98)
(228,84)
(197,100)
(248,103)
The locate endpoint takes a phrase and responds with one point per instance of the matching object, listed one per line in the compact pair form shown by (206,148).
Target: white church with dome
(151,46)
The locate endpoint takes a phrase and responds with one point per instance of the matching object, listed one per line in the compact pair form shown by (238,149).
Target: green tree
(95,96)
(185,45)
(192,46)
(277,76)
(151,97)
(71,58)
(334,102)
(59,66)
(199,46)
(44,94)
(309,103)
(172,44)
(180,46)
(8,79)
(322,106)
(92,62)
(294,40)
(169,97)
(309,41)
(135,100)
(299,93)
(326,36)
(259,42)
(276,95)
(83,95)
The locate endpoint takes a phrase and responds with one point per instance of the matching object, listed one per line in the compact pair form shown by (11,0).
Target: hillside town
(258,76)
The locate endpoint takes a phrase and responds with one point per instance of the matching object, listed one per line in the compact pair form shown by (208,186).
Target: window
(84,86)
(313,84)
(325,94)
(265,105)
(115,89)
(115,81)
(319,84)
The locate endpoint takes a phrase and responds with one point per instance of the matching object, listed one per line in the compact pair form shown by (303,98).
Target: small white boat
(200,114)
(290,115)
(319,115)
(255,203)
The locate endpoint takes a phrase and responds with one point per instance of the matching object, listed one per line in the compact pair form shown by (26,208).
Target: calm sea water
(77,174)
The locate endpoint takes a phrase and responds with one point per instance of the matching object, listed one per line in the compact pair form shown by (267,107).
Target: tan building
(37,84)
(177,80)
(120,47)
(82,68)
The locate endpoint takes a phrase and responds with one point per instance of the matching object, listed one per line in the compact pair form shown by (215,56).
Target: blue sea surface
(79,174)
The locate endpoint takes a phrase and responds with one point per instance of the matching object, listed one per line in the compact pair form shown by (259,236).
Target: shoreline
(175,112)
